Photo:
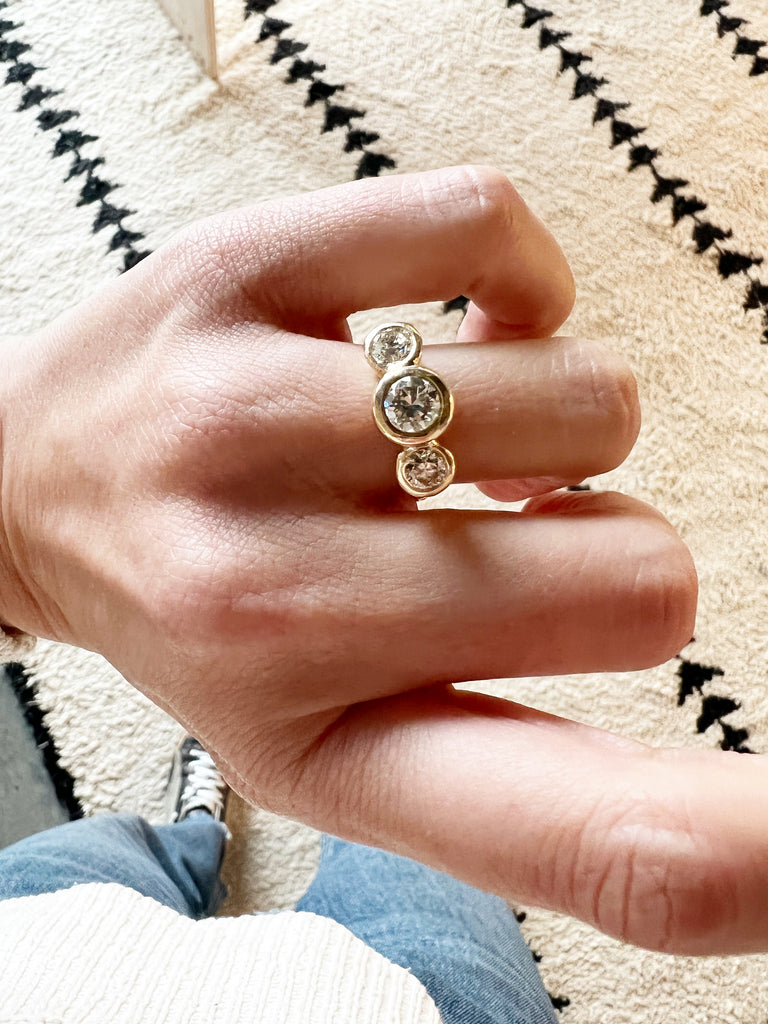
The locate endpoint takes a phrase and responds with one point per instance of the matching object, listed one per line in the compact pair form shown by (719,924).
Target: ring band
(412,406)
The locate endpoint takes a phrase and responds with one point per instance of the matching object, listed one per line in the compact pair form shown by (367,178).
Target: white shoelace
(204,786)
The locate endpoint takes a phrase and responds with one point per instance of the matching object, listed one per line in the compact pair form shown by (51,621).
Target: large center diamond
(412,404)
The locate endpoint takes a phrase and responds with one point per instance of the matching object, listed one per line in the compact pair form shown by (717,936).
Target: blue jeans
(463,945)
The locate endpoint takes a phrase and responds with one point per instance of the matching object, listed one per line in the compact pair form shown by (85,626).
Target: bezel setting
(433,451)
(424,468)
(409,352)
(404,437)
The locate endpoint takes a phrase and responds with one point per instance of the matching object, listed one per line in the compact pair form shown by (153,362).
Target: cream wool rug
(637,129)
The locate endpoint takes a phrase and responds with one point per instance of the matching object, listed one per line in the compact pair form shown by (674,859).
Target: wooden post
(195,21)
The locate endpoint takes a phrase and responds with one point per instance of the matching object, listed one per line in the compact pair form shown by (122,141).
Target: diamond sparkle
(393,344)
(412,404)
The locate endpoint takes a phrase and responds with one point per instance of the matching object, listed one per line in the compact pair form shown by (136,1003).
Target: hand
(193,485)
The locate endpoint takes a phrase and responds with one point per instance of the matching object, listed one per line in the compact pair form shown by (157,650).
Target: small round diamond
(413,404)
(395,343)
(426,470)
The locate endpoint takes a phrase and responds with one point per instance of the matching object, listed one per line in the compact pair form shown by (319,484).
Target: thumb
(661,848)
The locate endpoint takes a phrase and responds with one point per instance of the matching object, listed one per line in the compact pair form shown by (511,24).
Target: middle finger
(583,582)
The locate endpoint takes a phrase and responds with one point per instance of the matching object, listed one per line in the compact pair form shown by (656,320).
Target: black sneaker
(194,784)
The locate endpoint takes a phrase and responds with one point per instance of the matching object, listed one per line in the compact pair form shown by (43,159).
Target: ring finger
(560,407)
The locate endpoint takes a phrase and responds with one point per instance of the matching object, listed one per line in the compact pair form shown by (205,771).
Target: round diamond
(392,344)
(412,404)
(425,469)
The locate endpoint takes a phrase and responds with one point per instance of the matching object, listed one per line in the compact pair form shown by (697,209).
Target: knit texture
(76,955)
(636,130)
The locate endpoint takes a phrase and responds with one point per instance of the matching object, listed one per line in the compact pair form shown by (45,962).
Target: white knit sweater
(104,954)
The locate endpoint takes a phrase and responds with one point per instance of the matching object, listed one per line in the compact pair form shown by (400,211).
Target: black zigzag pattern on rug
(70,141)
(372,162)
(63,783)
(715,707)
(731,25)
(684,205)
(303,69)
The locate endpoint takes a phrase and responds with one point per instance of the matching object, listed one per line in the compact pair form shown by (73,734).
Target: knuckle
(205,262)
(631,899)
(612,389)
(190,599)
(195,256)
(657,885)
(491,185)
(484,194)
(601,402)
(503,217)
(218,586)
(663,593)
(491,195)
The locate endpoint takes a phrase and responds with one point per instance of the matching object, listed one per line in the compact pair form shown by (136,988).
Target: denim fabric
(463,945)
(177,865)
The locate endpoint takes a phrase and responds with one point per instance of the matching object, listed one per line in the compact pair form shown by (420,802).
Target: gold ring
(412,406)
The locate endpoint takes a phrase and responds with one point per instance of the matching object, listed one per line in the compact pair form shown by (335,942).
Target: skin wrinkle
(602,397)
(551,881)
(609,914)
(598,893)
(666,940)
(568,877)
(657,606)
(578,437)
(660,858)
(614,395)
(647,910)
(498,202)
(588,876)
(208,269)
(495,200)
(294,263)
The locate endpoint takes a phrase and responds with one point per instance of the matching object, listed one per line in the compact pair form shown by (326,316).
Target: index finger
(402,238)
